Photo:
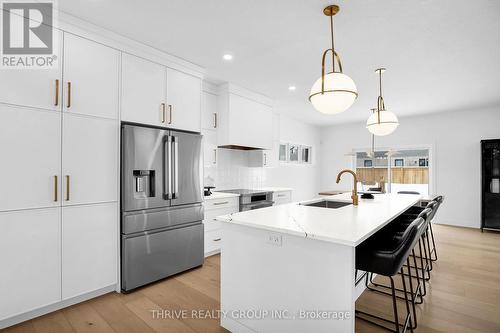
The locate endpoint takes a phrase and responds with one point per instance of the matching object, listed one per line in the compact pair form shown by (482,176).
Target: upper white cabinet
(89,251)
(38,88)
(89,162)
(91,78)
(209,111)
(264,158)
(156,95)
(184,101)
(30,254)
(144,89)
(245,118)
(30,142)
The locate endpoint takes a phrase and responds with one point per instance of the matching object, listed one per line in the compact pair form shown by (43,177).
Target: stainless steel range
(253,199)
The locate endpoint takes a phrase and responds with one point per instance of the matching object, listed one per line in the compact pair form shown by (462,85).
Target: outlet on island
(274,239)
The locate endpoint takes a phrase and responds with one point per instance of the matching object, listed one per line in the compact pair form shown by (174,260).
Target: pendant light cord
(380,82)
(333,43)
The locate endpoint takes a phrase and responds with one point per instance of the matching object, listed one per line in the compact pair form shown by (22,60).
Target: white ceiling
(440,55)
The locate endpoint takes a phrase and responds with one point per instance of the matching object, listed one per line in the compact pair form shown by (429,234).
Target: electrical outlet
(275,239)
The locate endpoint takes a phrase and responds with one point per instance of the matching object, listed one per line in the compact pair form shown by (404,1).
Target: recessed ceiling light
(227,56)
(292,88)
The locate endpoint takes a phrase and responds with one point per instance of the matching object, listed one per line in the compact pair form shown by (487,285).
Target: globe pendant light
(334,92)
(381,122)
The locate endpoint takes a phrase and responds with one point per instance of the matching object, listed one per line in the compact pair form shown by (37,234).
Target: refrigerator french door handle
(175,144)
(167,167)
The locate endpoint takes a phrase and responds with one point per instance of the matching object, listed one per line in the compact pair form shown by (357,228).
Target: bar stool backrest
(408,241)
(425,214)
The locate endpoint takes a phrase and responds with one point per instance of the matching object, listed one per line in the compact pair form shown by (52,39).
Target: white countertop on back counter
(275,189)
(220,195)
(348,225)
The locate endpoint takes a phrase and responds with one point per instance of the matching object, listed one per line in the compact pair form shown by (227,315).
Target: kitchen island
(291,268)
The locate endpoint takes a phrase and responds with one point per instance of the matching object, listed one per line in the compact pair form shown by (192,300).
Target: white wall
(232,170)
(303,178)
(454,137)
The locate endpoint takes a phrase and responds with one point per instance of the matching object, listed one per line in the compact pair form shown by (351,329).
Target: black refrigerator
(490,184)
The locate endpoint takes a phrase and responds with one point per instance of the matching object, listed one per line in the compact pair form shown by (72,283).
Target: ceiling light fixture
(292,88)
(381,122)
(227,56)
(334,92)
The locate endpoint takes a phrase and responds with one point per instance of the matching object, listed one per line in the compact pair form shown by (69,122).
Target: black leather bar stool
(439,201)
(383,254)
(417,294)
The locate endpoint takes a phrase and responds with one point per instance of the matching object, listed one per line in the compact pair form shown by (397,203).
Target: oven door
(256,205)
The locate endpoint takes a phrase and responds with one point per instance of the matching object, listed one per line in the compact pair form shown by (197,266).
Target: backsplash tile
(232,171)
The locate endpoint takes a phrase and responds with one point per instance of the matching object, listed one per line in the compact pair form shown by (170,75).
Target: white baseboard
(211,253)
(54,307)
(234,326)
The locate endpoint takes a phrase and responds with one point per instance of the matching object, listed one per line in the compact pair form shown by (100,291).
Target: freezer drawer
(150,219)
(153,256)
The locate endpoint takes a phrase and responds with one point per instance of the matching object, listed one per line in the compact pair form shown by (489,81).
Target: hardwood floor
(463,296)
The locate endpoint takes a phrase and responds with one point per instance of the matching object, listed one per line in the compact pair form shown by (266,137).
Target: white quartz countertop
(275,189)
(220,195)
(349,225)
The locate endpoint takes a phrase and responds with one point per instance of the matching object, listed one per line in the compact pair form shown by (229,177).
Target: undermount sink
(327,204)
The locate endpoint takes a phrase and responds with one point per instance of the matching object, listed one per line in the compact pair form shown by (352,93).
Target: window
(305,154)
(283,152)
(394,170)
(294,153)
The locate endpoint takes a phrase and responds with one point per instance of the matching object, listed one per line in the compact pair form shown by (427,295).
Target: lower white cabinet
(89,248)
(216,207)
(282,197)
(30,257)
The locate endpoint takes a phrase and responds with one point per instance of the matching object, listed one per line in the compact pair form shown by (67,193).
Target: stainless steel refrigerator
(161,204)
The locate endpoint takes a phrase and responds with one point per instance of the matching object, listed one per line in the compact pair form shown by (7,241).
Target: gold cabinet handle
(56,102)
(56,196)
(215,156)
(220,203)
(69,95)
(217,239)
(215,119)
(265,159)
(170,113)
(67,187)
(163,113)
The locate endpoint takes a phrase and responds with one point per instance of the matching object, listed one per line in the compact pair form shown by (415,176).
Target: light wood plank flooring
(464,296)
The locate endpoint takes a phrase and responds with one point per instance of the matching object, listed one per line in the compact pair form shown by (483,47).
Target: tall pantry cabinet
(58,204)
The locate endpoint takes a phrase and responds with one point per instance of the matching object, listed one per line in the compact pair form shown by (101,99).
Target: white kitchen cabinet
(30,142)
(282,197)
(184,101)
(91,78)
(243,121)
(38,88)
(210,150)
(89,251)
(144,88)
(264,158)
(216,206)
(30,253)
(209,111)
(89,160)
